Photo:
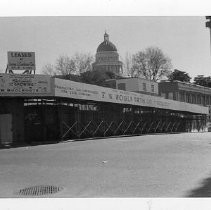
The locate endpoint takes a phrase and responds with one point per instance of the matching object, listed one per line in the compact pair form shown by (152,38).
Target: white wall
(136,85)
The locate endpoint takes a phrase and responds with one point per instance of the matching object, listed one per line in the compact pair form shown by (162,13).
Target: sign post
(24,61)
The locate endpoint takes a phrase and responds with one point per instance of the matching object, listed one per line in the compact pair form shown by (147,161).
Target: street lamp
(208,25)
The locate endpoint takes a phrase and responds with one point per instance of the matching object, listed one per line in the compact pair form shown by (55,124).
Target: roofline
(186,83)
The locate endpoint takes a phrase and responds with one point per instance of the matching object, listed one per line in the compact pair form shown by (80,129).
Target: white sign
(25,85)
(21,60)
(76,90)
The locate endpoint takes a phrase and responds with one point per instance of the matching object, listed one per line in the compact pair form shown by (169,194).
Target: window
(144,87)
(121,86)
(153,88)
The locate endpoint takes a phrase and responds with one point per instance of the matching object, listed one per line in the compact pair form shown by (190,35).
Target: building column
(180,96)
(191,99)
(206,100)
(194,98)
(185,97)
(176,96)
(202,100)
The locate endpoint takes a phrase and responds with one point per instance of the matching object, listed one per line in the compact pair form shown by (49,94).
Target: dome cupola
(106,45)
(107,57)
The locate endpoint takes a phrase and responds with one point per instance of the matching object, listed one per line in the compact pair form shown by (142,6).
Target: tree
(127,64)
(151,64)
(65,65)
(83,62)
(49,69)
(97,77)
(202,80)
(179,75)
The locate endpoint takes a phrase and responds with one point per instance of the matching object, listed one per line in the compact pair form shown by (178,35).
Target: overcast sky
(184,39)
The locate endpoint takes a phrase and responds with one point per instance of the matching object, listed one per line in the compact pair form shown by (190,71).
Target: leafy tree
(151,64)
(202,80)
(72,77)
(97,77)
(179,75)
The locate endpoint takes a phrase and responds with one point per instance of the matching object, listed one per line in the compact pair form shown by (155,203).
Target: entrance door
(6,136)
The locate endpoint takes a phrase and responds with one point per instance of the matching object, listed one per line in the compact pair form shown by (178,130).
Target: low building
(39,108)
(139,85)
(185,92)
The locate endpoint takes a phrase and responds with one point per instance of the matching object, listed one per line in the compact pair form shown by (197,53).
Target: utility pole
(208,25)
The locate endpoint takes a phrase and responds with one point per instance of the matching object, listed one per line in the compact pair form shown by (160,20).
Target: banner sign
(21,60)
(29,85)
(76,90)
(25,85)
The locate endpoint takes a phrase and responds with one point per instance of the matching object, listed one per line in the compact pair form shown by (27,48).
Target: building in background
(186,92)
(107,57)
(139,85)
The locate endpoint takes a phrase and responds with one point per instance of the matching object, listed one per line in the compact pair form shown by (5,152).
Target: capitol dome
(107,57)
(106,45)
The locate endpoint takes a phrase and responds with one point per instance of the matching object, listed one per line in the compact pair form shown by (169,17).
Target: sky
(184,39)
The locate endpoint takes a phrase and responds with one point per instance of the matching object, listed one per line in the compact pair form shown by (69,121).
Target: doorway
(6,135)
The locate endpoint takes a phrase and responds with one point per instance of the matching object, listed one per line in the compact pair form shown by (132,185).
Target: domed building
(107,57)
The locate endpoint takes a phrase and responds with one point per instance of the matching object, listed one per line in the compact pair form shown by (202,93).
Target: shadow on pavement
(204,190)
(27,145)
(80,139)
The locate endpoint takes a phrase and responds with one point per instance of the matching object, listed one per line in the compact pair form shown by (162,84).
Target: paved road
(142,166)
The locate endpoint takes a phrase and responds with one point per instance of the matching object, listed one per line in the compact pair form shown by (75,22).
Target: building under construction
(39,108)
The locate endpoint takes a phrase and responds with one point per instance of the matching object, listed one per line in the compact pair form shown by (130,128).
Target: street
(171,165)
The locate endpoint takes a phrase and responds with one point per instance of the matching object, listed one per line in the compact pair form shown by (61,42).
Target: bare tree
(65,65)
(49,70)
(82,62)
(151,64)
(127,64)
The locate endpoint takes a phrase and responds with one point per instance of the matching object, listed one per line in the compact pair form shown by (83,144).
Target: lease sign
(21,60)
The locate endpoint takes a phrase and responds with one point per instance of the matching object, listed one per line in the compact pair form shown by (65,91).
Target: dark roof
(106,46)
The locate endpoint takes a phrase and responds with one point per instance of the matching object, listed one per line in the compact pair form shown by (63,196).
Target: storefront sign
(25,85)
(21,60)
(70,89)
